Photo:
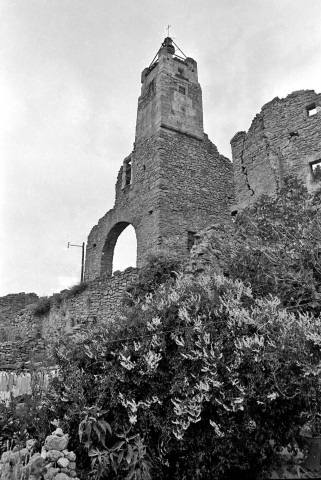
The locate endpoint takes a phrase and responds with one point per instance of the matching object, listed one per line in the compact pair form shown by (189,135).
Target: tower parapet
(171,96)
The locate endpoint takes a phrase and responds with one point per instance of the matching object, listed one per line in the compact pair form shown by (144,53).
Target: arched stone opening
(109,249)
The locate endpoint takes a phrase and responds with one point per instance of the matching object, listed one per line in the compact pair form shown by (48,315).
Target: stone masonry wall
(133,205)
(179,184)
(196,187)
(283,139)
(10,305)
(99,302)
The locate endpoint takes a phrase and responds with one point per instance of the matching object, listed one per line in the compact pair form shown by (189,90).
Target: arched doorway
(120,249)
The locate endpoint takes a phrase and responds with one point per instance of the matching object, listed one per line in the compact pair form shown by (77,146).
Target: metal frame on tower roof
(167,42)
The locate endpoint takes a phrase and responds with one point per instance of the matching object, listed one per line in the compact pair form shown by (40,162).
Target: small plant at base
(128,455)
(93,425)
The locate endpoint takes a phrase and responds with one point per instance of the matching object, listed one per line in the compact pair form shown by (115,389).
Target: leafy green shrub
(210,377)
(203,374)
(42,307)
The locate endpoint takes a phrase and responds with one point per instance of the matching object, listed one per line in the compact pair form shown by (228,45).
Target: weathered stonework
(284,138)
(172,186)
(175,182)
(10,305)
(99,302)
(29,334)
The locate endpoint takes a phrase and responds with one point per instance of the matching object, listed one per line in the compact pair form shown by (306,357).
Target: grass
(76,289)
(44,304)
(42,307)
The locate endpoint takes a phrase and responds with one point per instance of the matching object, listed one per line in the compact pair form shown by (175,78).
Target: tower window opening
(191,240)
(316,170)
(127,173)
(180,70)
(311,109)
(182,90)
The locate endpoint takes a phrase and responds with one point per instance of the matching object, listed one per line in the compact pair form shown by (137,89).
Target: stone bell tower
(174,183)
(171,96)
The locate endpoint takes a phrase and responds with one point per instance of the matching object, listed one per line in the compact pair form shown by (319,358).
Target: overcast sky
(69,83)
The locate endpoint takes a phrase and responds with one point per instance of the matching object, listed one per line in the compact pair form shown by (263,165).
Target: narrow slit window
(127,173)
(316,170)
(182,90)
(311,109)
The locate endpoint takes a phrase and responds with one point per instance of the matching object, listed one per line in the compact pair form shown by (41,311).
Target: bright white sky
(69,83)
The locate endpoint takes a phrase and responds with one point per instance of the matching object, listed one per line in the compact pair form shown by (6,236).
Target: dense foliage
(202,376)
(279,247)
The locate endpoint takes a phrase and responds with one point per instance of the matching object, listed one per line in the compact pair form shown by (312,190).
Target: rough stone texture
(51,473)
(62,476)
(100,301)
(20,331)
(54,455)
(71,457)
(53,442)
(63,462)
(178,182)
(162,101)
(10,305)
(15,354)
(283,139)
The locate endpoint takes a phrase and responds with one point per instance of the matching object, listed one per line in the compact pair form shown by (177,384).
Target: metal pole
(82,262)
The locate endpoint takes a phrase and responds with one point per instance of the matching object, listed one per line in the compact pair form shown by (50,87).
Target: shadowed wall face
(284,138)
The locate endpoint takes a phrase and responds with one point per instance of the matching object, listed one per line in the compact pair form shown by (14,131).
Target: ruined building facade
(172,185)
(284,138)
(174,182)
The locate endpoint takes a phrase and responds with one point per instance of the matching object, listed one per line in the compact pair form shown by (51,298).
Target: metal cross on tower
(168,27)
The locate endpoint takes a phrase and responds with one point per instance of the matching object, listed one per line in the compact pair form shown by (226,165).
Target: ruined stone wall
(284,138)
(133,205)
(99,302)
(20,353)
(179,184)
(196,187)
(10,305)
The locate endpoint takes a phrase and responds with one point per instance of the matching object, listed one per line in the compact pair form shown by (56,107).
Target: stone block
(56,443)
(63,462)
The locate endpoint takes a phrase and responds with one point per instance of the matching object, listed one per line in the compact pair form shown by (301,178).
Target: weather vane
(167,28)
